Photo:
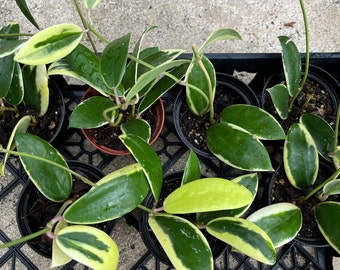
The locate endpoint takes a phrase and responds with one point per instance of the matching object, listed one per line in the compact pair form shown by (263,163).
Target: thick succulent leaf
(91,4)
(161,87)
(89,113)
(255,120)
(245,236)
(192,170)
(138,127)
(148,159)
(182,241)
(59,258)
(53,182)
(20,127)
(291,64)
(87,65)
(36,88)
(300,157)
(220,34)
(328,219)
(336,157)
(114,59)
(198,97)
(208,194)
(280,97)
(237,147)
(332,188)
(281,221)
(251,182)
(115,195)
(50,44)
(26,11)
(149,76)
(8,47)
(89,246)
(15,94)
(322,133)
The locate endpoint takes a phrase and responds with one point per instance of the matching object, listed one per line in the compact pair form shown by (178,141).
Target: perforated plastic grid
(173,153)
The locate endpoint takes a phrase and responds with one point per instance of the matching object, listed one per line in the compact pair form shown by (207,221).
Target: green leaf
(220,34)
(336,157)
(332,188)
(91,4)
(161,87)
(20,127)
(255,120)
(300,157)
(328,219)
(149,76)
(148,159)
(50,44)
(53,182)
(192,170)
(245,236)
(59,258)
(8,47)
(36,88)
(27,13)
(281,221)
(237,147)
(322,133)
(138,127)
(291,64)
(198,97)
(251,182)
(114,59)
(115,195)
(89,113)
(89,246)
(280,97)
(15,94)
(208,194)
(183,242)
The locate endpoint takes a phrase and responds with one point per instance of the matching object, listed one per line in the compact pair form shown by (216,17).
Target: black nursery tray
(134,254)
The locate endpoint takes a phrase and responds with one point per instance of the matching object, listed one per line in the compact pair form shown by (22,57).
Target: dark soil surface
(108,135)
(45,127)
(283,191)
(194,127)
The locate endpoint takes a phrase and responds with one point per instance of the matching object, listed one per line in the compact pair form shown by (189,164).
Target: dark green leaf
(280,97)
(138,127)
(26,11)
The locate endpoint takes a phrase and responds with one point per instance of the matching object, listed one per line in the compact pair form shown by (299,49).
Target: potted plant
(123,86)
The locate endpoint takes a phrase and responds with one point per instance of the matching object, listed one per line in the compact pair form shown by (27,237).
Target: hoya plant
(217,205)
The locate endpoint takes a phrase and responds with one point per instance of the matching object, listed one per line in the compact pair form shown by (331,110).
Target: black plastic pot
(30,219)
(318,76)
(171,182)
(325,170)
(232,87)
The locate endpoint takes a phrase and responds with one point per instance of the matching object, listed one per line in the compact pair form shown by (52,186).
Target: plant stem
(16,153)
(16,35)
(144,208)
(302,83)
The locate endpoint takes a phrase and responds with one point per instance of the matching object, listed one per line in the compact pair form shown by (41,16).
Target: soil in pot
(280,190)
(171,183)
(35,211)
(192,129)
(46,127)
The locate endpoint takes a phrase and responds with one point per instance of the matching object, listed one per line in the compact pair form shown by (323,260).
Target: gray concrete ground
(183,23)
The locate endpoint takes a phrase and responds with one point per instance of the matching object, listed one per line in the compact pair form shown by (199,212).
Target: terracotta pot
(160,116)
(171,182)
(234,92)
(33,208)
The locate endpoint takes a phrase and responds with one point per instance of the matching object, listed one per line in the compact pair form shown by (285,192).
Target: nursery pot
(48,126)
(280,190)
(171,182)
(192,129)
(156,128)
(34,211)
(321,88)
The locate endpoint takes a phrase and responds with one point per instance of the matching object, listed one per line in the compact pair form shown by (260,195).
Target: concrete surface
(182,23)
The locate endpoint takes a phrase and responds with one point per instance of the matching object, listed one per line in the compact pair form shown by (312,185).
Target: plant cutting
(126,85)
(215,205)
